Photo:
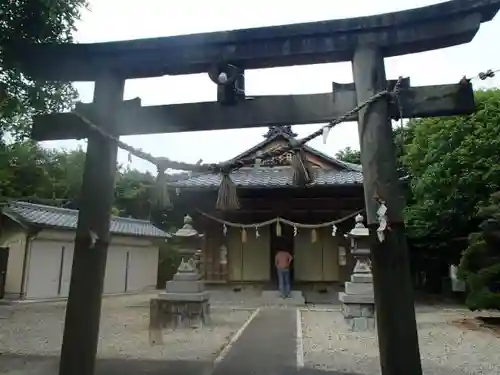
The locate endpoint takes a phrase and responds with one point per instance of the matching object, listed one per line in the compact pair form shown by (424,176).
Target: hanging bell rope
(162,196)
(227,198)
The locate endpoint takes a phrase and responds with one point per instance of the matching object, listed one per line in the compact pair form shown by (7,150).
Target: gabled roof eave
(307,148)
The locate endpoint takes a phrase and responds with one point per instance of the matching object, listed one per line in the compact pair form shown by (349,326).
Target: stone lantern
(188,238)
(185,302)
(358,303)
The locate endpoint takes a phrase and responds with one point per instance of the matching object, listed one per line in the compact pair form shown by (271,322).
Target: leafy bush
(480,263)
(169,261)
(454,169)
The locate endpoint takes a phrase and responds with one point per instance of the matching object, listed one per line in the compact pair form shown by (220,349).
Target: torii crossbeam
(365,41)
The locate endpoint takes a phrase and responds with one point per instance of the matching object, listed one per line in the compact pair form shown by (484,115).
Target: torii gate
(365,41)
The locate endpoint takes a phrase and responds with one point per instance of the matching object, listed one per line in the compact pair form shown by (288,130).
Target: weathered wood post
(81,328)
(394,301)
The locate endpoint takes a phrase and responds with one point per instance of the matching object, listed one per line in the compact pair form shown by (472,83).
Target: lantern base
(358,303)
(361,324)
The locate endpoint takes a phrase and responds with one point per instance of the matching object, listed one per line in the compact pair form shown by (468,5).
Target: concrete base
(186,297)
(165,313)
(361,324)
(273,297)
(358,288)
(356,298)
(176,286)
(362,278)
(358,309)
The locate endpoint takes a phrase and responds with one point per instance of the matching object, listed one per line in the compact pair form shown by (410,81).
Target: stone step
(273,297)
(176,286)
(358,288)
(362,278)
(187,297)
(356,298)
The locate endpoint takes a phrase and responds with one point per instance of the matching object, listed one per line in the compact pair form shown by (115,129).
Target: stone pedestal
(184,304)
(358,302)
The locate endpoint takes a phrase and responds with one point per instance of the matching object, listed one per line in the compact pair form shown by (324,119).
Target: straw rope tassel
(162,196)
(302,169)
(314,235)
(227,198)
(278,229)
(243,235)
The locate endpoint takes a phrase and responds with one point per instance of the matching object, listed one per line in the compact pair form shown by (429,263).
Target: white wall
(132,265)
(15,240)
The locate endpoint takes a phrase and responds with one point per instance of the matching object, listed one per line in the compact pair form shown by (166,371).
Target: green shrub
(480,263)
(168,263)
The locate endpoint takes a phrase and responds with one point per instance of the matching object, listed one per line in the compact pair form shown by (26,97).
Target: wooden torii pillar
(392,282)
(365,41)
(83,311)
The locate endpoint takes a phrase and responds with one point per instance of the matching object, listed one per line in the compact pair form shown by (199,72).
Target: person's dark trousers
(284,282)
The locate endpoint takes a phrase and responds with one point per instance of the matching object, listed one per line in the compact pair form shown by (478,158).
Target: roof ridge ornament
(275,130)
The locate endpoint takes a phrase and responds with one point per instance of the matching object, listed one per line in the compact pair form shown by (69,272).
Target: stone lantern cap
(187,229)
(359,229)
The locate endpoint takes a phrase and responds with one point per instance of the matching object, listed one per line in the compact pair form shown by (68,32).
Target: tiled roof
(271,177)
(64,218)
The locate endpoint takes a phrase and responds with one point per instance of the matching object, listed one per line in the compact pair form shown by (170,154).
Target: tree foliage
(28,170)
(453,165)
(34,21)
(349,155)
(33,173)
(480,263)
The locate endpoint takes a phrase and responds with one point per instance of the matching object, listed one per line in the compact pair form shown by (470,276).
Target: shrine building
(309,222)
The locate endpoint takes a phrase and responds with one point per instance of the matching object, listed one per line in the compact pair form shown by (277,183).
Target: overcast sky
(110,20)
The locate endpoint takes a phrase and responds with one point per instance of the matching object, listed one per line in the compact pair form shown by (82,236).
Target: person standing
(282,261)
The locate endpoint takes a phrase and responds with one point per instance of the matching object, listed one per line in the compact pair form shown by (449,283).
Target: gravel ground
(36,329)
(445,347)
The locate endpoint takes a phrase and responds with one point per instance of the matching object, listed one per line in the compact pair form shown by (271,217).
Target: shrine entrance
(283,241)
(371,99)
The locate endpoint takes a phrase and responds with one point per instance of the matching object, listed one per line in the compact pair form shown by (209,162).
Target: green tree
(33,21)
(402,137)
(134,191)
(349,155)
(31,172)
(480,263)
(50,176)
(453,165)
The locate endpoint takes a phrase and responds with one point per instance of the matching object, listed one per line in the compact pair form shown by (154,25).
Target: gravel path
(446,348)
(36,329)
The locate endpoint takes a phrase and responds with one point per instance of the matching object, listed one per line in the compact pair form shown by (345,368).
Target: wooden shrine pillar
(81,327)
(394,299)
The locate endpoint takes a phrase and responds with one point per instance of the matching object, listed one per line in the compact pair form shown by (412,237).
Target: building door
(283,242)
(142,268)
(115,280)
(4,258)
(44,272)
(66,266)
(137,270)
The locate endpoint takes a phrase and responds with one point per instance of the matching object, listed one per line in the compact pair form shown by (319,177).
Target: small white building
(37,242)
